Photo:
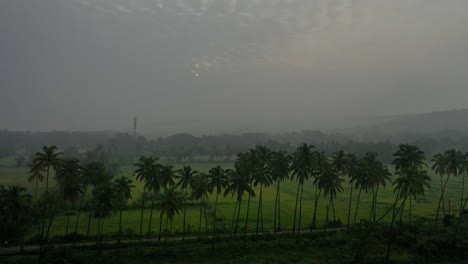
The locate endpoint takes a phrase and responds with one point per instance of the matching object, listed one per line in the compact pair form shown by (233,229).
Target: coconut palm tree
(239,183)
(146,168)
(36,173)
(185,175)
(380,177)
(330,183)
(169,202)
(15,209)
(123,188)
(455,162)
(218,182)
(68,176)
(364,179)
(351,168)
(261,175)
(103,199)
(412,180)
(302,165)
(320,162)
(439,165)
(200,190)
(279,165)
(48,159)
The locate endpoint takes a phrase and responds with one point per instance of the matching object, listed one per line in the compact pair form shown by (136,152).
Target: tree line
(171,190)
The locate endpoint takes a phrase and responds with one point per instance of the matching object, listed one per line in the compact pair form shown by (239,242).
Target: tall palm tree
(363,181)
(279,165)
(409,163)
(302,164)
(48,159)
(239,183)
(351,168)
(320,163)
(200,190)
(185,175)
(330,183)
(36,173)
(380,177)
(68,176)
(145,171)
(455,162)
(103,199)
(15,208)
(261,175)
(169,202)
(218,182)
(123,188)
(439,165)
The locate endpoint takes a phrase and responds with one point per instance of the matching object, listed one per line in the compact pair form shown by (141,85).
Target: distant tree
(19,161)
(48,159)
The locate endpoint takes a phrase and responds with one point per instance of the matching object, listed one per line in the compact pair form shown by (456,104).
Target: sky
(216,66)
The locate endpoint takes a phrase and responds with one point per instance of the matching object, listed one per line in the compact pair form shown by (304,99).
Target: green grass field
(426,206)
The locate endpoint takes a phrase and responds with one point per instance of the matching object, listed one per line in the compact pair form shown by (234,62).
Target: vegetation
(256,173)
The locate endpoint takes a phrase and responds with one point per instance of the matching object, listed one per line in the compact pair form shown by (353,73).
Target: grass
(424,207)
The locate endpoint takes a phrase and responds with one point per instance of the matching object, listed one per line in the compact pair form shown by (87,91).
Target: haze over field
(213,66)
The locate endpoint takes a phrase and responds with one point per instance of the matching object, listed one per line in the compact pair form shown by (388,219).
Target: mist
(218,66)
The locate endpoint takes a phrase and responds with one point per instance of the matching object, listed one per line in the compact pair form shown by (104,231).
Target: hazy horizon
(225,66)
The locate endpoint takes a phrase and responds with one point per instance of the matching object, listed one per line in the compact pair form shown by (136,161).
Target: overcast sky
(211,66)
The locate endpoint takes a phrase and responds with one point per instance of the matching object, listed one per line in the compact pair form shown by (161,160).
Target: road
(34,249)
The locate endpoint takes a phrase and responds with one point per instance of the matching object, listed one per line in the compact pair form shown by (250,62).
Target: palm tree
(439,164)
(48,159)
(169,202)
(200,189)
(185,175)
(302,164)
(239,183)
(36,173)
(411,182)
(279,165)
(95,174)
(145,171)
(363,180)
(68,175)
(455,162)
(103,197)
(218,182)
(15,206)
(330,183)
(167,176)
(381,175)
(351,168)
(261,176)
(319,166)
(123,188)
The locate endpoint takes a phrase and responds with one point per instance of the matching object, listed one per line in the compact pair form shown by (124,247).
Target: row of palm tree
(172,190)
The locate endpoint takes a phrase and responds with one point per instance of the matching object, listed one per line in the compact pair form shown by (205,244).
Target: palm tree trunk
(120,224)
(78,218)
(259,208)
(276,206)
(150,218)
(295,207)
(67,224)
(279,210)
(141,216)
(160,225)
(234,214)
(238,215)
(442,199)
(206,216)
(357,205)
(349,205)
(48,228)
(201,214)
(392,237)
(326,218)
(333,210)
(246,220)
(97,233)
(410,209)
(185,215)
(314,218)
(214,221)
(89,223)
(372,204)
(462,194)
(35,190)
(300,210)
(375,203)
(46,198)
